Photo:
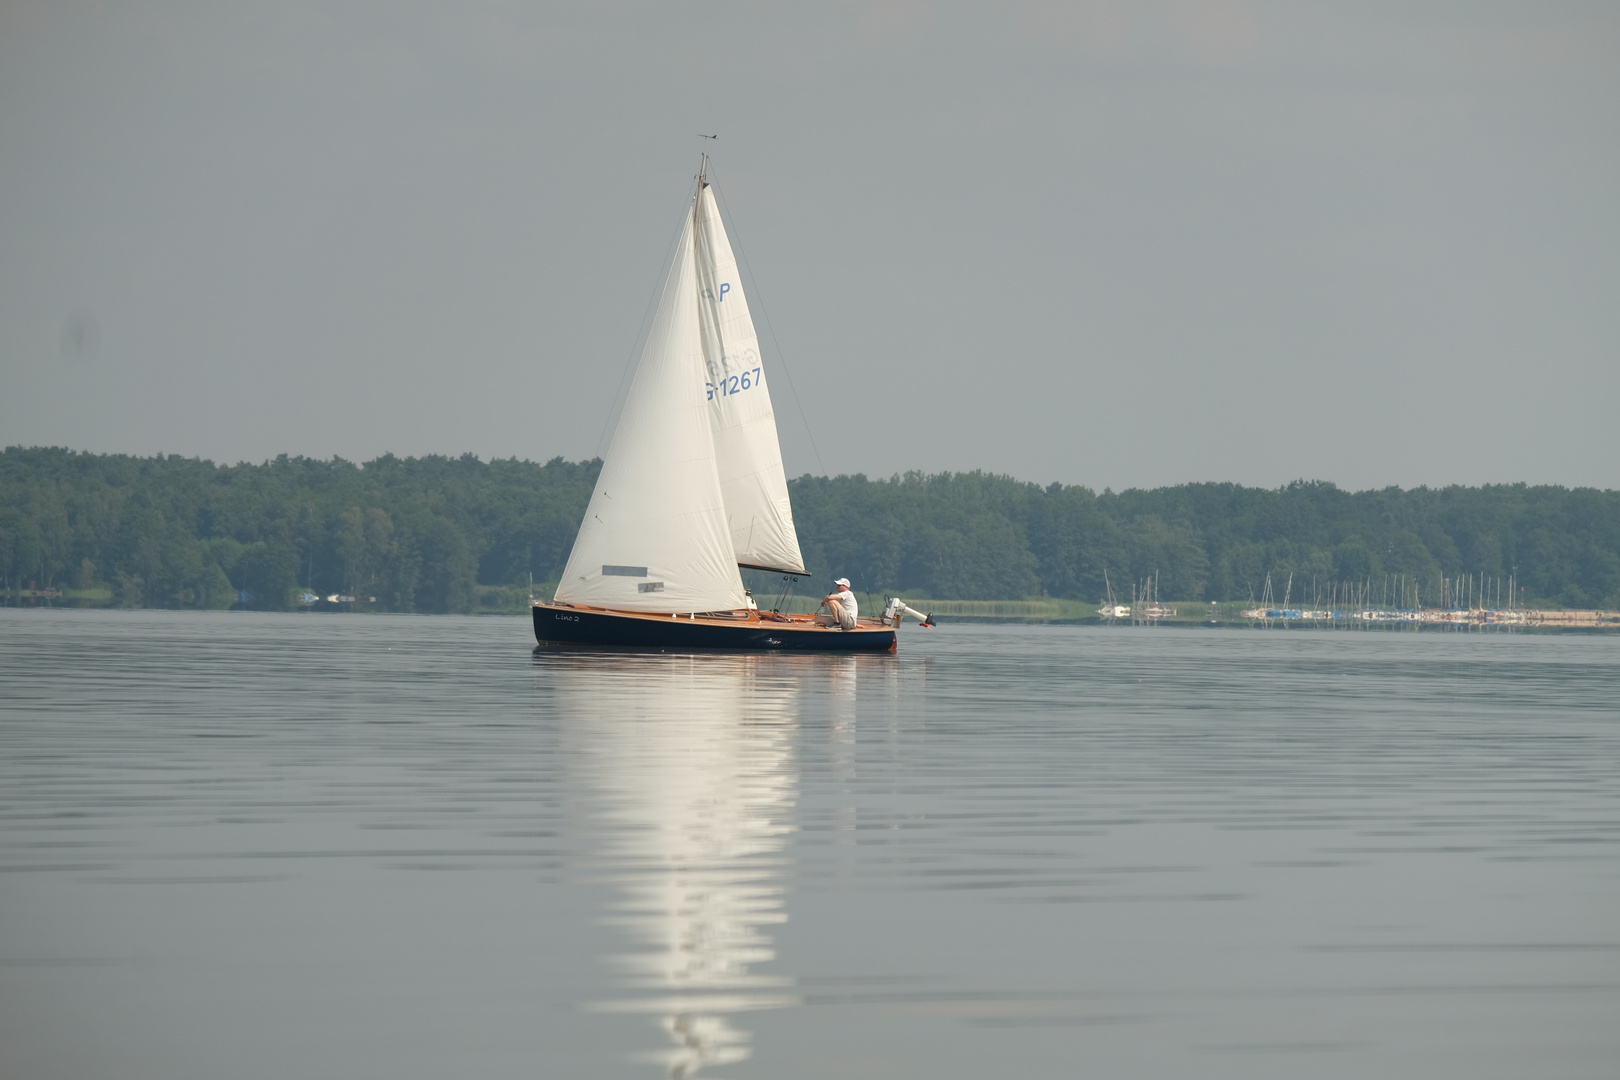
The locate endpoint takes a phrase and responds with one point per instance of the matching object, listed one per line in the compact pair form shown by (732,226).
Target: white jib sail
(654,537)
(745,443)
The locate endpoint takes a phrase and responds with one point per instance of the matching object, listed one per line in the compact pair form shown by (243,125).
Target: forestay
(655,537)
(747,452)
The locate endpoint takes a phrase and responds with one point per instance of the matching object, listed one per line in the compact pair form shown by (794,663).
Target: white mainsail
(746,449)
(655,536)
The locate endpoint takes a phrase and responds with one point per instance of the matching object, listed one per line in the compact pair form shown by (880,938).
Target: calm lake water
(297,845)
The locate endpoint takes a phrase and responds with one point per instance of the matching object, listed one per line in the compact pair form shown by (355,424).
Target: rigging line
(780,356)
(651,300)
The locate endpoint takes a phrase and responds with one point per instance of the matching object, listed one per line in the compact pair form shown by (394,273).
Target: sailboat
(692,488)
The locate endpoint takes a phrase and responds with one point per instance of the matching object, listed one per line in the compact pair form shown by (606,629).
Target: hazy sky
(1103,243)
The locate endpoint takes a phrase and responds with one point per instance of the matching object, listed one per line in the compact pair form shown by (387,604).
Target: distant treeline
(440,534)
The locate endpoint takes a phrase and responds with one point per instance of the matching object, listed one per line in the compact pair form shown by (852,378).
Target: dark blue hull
(573,626)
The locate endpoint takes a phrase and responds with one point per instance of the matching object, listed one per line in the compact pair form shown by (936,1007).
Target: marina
(1440,616)
(1463,601)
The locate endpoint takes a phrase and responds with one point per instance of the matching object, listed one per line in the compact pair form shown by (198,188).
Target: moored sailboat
(692,488)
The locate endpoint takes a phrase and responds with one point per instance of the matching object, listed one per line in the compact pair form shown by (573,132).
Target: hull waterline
(561,625)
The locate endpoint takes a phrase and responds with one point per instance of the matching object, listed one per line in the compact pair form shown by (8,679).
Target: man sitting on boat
(841,603)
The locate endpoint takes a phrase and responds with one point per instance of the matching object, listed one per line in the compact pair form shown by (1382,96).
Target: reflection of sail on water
(692,774)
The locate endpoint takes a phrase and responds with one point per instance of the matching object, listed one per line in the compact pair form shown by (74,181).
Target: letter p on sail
(725,287)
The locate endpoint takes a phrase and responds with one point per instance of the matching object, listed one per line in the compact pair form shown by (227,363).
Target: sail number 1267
(734,384)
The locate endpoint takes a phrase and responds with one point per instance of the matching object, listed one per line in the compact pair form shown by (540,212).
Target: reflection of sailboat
(692,773)
(692,486)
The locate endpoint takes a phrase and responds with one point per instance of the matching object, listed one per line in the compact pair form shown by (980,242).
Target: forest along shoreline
(448,534)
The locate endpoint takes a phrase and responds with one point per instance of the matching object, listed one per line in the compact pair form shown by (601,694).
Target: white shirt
(846,600)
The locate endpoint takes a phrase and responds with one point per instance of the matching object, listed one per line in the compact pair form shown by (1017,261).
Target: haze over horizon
(1104,244)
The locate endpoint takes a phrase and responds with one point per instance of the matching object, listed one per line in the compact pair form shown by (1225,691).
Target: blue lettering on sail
(733,384)
(725,287)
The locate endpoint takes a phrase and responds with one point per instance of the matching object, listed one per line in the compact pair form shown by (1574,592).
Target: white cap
(844,581)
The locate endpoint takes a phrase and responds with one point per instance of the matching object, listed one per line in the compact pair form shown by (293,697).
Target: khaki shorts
(844,619)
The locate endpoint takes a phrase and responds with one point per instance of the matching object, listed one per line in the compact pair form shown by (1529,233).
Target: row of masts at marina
(1397,598)
(1474,598)
(1469,600)
(1145,602)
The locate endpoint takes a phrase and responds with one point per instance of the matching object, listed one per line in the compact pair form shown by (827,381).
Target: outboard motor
(898,610)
